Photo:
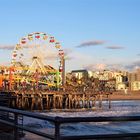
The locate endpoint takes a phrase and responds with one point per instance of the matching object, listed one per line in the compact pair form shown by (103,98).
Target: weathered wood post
(109,100)
(57,128)
(83,101)
(100,100)
(94,103)
(10,78)
(16,135)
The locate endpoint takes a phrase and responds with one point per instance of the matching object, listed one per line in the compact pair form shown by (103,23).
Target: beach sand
(131,95)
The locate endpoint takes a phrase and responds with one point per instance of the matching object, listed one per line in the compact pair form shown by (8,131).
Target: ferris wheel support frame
(63,72)
(57,79)
(36,60)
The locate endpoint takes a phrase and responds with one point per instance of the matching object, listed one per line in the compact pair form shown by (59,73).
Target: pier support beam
(100,100)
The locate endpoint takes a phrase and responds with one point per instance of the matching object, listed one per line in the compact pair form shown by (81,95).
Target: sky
(95,34)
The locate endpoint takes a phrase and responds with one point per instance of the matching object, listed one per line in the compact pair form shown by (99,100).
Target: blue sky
(115,23)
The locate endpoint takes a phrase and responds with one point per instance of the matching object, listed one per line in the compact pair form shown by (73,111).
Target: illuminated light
(13,60)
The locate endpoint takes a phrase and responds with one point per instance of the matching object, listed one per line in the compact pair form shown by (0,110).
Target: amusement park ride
(36,78)
(28,65)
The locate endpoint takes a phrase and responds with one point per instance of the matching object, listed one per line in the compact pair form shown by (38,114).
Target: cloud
(90,43)
(138,54)
(67,51)
(99,66)
(54,55)
(68,58)
(7,47)
(5,63)
(114,67)
(133,65)
(114,47)
(103,66)
(76,60)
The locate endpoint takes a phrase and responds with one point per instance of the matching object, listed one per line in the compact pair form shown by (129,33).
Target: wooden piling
(60,100)
(100,100)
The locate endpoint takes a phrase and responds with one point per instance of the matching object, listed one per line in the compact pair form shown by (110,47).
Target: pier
(55,100)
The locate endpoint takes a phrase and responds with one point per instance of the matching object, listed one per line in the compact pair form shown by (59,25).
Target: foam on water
(119,108)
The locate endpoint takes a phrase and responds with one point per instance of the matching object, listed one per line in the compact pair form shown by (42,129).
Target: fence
(58,121)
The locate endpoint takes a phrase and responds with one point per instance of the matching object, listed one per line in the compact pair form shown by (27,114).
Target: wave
(119,108)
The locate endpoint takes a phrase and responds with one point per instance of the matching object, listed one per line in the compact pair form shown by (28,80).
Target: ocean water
(118,108)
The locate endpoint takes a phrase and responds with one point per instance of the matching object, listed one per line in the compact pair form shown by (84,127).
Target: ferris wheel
(37,50)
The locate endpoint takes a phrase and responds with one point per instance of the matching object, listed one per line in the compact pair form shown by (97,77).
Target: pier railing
(58,122)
